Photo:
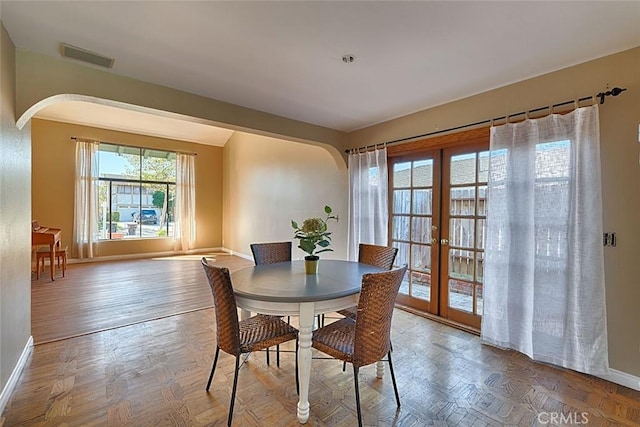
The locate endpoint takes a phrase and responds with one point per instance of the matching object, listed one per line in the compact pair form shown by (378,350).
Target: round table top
(288,282)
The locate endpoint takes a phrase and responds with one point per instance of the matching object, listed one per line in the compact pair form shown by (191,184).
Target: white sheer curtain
(85,224)
(185,209)
(368,200)
(544,291)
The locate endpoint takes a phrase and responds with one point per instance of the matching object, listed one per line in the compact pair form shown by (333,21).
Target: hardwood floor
(153,373)
(98,296)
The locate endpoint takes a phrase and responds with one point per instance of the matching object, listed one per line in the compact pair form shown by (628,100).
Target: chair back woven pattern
(379,256)
(375,310)
(270,253)
(227,327)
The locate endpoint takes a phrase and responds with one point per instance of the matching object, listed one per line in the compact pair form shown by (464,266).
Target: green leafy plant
(314,235)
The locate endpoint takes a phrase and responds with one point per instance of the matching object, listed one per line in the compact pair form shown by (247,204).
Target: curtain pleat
(185,209)
(85,224)
(368,200)
(544,291)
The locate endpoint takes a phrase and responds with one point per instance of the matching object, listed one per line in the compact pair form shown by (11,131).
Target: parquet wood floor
(153,373)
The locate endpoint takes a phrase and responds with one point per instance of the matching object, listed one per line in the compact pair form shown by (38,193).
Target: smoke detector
(348,59)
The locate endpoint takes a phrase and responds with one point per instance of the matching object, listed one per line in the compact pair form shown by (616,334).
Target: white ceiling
(284,58)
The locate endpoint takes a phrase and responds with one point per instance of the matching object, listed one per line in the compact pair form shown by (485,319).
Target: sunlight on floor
(192,257)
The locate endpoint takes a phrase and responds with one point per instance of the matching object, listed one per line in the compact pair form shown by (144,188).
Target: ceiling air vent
(85,56)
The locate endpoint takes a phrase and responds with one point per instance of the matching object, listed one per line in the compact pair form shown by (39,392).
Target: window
(136,192)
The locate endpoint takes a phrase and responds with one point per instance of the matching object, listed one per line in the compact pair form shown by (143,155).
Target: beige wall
(268,182)
(15,227)
(619,119)
(53,184)
(40,77)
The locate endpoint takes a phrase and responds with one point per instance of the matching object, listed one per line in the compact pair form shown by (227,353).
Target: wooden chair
(367,339)
(44,253)
(237,337)
(379,256)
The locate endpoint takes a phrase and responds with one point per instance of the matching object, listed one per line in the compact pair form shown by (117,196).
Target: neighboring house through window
(137,188)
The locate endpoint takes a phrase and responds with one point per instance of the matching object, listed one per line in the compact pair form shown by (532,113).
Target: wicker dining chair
(271,253)
(379,256)
(367,339)
(235,337)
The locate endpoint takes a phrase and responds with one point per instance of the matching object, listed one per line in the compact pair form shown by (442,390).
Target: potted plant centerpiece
(314,238)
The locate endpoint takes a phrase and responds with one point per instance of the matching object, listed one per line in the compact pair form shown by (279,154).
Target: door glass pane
(483,166)
(421,285)
(400,229)
(463,201)
(421,258)
(482,200)
(481,230)
(461,264)
(463,169)
(479,299)
(404,286)
(461,232)
(423,173)
(461,295)
(402,175)
(421,229)
(422,202)
(480,267)
(401,201)
(402,257)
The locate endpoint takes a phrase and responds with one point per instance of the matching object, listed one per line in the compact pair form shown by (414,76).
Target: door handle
(444,242)
(434,241)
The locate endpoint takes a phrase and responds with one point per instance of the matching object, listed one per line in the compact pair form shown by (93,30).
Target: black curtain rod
(188,153)
(613,92)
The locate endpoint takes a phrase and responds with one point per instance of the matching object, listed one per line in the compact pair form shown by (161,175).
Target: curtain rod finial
(613,92)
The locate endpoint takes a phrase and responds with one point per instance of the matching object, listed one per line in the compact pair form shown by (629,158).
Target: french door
(438,223)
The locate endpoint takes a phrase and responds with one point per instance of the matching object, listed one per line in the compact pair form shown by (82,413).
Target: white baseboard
(622,378)
(238,254)
(15,375)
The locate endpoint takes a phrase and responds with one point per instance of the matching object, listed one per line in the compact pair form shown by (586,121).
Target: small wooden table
(285,289)
(47,236)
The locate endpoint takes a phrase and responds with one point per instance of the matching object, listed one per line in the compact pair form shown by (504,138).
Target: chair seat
(336,339)
(262,331)
(44,252)
(349,312)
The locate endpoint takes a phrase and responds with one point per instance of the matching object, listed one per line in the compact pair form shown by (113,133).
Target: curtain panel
(185,209)
(85,224)
(544,292)
(368,200)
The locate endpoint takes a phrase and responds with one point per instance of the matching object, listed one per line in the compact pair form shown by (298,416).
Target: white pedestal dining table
(284,289)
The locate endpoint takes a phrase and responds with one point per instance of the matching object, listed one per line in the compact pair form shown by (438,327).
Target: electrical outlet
(609,239)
